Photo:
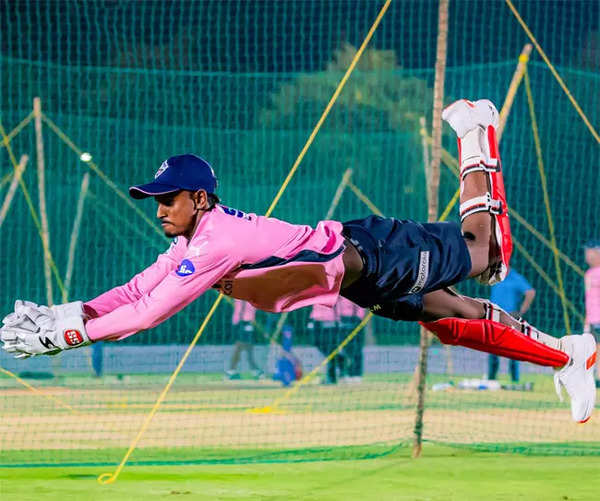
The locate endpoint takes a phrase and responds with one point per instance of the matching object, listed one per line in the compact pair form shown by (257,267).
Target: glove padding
(28,315)
(38,330)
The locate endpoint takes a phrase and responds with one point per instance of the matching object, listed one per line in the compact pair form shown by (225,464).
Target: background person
(592,294)
(324,325)
(350,316)
(514,295)
(242,320)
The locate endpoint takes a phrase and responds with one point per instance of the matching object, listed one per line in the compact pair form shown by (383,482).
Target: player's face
(592,257)
(178,212)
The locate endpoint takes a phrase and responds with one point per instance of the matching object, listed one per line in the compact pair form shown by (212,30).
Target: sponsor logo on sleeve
(73,337)
(185,268)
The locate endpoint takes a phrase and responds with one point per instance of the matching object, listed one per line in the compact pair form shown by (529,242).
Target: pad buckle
(484,203)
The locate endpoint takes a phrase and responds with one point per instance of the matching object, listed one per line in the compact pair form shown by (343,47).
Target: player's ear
(200,199)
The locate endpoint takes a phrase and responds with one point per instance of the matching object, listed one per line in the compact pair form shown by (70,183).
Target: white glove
(27,315)
(38,330)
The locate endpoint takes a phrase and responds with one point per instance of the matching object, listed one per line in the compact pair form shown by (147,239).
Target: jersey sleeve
(189,280)
(139,285)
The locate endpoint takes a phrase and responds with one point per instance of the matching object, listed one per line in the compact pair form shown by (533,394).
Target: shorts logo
(164,166)
(422,274)
(73,337)
(185,268)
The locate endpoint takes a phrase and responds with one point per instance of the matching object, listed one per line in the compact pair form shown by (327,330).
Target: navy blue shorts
(402,261)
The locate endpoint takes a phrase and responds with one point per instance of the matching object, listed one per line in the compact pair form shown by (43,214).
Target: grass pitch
(81,421)
(442,473)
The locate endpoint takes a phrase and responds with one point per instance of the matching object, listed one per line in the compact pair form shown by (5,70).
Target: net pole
(513,87)
(338,193)
(426,155)
(427,165)
(13,188)
(85,182)
(41,172)
(547,205)
(29,202)
(433,183)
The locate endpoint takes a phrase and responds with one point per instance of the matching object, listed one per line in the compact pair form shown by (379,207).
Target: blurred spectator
(592,294)
(243,329)
(350,316)
(514,295)
(324,324)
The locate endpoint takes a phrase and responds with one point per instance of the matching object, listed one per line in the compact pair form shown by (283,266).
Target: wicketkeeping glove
(38,330)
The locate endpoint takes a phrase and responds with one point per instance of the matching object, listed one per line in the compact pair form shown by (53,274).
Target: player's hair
(212,200)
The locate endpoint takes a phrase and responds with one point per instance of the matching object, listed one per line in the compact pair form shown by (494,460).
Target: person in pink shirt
(350,316)
(243,328)
(592,293)
(399,269)
(324,327)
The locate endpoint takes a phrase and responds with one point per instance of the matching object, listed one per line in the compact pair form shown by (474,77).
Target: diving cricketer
(399,269)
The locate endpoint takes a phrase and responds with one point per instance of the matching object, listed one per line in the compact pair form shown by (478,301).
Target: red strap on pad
(503,235)
(494,337)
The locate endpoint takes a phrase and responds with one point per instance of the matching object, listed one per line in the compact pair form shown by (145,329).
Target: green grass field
(204,420)
(206,443)
(442,473)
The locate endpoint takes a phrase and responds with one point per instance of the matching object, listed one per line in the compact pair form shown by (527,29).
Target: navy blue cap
(181,172)
(592,244)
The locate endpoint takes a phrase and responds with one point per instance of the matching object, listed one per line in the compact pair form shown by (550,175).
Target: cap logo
(164,166)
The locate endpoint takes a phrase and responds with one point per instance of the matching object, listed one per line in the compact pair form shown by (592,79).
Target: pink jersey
(321,313)
(347,308)
(273,265)
(592,295)
(243,312)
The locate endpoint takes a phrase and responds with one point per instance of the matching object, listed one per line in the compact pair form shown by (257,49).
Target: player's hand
(38,330)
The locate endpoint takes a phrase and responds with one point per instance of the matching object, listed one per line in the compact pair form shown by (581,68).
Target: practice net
(242,84)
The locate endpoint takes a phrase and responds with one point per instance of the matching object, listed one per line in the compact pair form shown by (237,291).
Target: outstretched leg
(483,209)
(483,326)
(479,324)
